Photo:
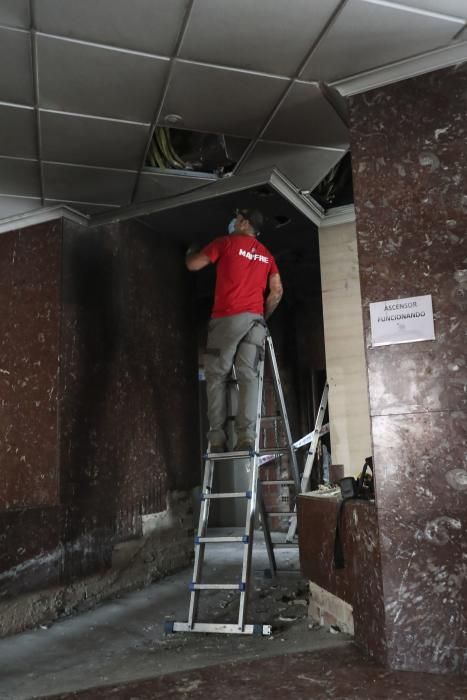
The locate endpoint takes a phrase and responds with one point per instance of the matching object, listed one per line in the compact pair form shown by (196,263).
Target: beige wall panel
(345,353)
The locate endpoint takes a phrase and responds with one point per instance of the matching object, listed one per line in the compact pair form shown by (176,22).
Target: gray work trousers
(235,339)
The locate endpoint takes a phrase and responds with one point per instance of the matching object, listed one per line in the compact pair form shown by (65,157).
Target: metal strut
(315,435)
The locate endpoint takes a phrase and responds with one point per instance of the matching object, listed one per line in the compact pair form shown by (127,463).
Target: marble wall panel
(359,582)
(410,168)
(30,280)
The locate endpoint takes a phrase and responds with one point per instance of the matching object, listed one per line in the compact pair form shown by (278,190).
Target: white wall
(345,355)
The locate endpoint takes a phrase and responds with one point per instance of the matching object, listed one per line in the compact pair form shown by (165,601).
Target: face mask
(232,225)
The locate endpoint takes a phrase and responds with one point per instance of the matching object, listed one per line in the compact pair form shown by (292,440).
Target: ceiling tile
(85,79)
(304,166)
(94,185)
(17,132)
(16,80)
(221,101)
(89,141)
(265,36)
(142,25)
(306,117)
(19,177)
(368,35)
(156,186)
(15,13)
(9,206)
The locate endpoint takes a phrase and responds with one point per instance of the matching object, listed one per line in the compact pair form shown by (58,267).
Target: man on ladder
(248,290)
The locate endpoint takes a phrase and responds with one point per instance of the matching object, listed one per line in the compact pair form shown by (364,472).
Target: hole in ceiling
(336,190)
(180,149)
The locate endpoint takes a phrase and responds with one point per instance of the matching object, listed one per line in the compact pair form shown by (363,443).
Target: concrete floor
(120,650)
(124,640)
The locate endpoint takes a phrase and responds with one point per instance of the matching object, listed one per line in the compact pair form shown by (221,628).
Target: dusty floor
(120,650)
(124,640)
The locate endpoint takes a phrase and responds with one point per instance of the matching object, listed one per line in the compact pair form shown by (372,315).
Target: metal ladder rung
(270,482)
(280,514)
(267,419)
(264,630)
(220,540)
(217,587)
(234,494)
(228,456)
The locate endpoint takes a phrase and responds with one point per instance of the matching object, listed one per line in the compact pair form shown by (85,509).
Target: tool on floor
(315,436)
(252,496)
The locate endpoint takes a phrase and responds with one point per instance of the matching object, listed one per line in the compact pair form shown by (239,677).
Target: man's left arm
(274,296)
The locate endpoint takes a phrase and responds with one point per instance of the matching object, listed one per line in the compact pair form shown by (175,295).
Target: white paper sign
(402,320)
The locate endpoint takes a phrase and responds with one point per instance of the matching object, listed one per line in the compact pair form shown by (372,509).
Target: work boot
(245,445)
(217,447)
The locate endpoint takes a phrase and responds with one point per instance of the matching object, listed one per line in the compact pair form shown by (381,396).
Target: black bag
(362,488)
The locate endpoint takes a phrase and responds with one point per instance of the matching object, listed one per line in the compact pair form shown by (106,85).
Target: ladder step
(221,540)
(270,482)
(245,454)
(279,514)
(217,586)
(235,494)
(218,628)
(270,419)
(227,456)
(285,545)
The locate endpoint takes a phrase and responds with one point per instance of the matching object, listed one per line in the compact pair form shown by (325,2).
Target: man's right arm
(196,261)
(274,295)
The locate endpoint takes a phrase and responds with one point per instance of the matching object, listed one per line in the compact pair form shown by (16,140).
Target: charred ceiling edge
(273,177)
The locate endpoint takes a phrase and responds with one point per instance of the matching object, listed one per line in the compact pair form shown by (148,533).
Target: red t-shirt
(243,268)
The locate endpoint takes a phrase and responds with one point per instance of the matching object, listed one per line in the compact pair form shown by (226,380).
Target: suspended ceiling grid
(84,84)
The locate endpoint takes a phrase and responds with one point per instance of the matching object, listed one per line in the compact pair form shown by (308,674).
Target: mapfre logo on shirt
(253,256)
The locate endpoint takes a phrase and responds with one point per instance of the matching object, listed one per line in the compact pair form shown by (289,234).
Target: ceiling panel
(16,75)
(303,166)
(221,101)
(17,132)
(9,206)
(271,37)
(142,25)
(455,8)
(15,13)
(367,35)
(90,141)
(306,117)
(19,177)
(156,186)
(85,79)
(94,185)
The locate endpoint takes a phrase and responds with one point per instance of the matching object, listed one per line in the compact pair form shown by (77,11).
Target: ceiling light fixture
(173,118)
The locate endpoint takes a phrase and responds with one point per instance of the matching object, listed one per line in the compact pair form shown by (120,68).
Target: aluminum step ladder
(313,438)
(253,497)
